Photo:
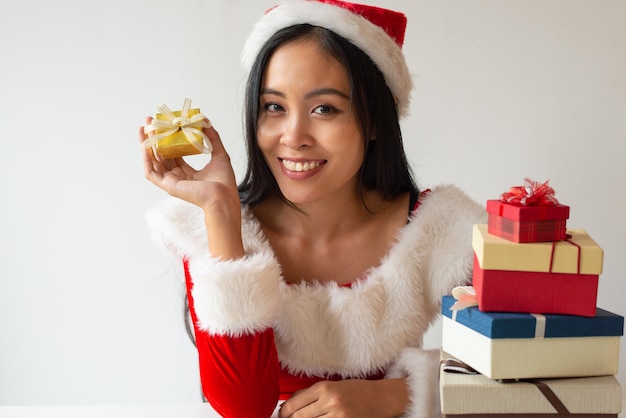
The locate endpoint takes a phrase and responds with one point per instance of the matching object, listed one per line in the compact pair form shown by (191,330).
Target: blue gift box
(503,345)
(522,325)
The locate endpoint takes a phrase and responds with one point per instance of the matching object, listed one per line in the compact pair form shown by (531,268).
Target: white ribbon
(466,297)
(540,325)
(190,126)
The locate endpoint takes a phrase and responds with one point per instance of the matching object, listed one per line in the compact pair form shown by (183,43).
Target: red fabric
(418,202)
(240,376)
(392,22)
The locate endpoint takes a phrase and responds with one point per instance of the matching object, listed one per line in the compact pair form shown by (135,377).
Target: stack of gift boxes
(535,343)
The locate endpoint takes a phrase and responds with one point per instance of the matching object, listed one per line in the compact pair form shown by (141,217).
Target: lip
(300,175)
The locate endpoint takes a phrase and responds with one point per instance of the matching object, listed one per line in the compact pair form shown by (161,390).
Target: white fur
(330,329)
(421,368)
(327,329)
(369,37)
(236,297)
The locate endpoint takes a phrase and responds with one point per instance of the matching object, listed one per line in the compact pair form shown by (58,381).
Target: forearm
(223,225)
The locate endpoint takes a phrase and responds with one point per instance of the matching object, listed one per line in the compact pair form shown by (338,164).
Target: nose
(296,132)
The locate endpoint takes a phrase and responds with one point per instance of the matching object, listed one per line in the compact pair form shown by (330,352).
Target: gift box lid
(579,254)
(177,113)
(527,213)
(522,325)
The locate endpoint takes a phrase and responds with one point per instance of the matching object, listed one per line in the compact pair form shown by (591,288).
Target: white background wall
(90,310)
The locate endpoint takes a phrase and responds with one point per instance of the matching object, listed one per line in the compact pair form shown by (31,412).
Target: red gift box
(535,292)
(527,223)
(543,277)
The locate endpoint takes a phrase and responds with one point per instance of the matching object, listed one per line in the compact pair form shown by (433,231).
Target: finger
(216,140)
(143,136)
(297,402)
(151,167)
(142,129)
(150,153)
(150,161)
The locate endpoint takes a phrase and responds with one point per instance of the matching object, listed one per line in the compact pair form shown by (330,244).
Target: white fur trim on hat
(370,38)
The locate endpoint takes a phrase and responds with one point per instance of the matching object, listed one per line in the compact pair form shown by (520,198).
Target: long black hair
(385,167)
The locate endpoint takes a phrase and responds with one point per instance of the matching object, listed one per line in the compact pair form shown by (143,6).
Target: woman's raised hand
(213,188)
(205,187)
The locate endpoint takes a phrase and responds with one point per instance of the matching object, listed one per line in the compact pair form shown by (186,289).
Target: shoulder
(178,227)
(444,209)
(438,239)
(448,201)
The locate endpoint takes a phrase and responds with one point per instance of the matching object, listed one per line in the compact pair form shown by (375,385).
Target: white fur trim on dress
(231,297)
(370,38)
(421,369)
(327,329)
(235,297)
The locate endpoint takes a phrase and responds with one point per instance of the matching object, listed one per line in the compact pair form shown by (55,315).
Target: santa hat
(378,32)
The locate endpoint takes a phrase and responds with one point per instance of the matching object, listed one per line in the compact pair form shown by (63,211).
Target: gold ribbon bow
(191,127)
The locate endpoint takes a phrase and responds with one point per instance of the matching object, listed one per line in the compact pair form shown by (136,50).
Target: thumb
(216,140)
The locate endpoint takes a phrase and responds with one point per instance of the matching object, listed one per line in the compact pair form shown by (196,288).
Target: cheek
(267,143)
(264,137)
(354,148)
(268,128)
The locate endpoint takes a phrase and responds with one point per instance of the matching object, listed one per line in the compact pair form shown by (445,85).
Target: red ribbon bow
(532,193)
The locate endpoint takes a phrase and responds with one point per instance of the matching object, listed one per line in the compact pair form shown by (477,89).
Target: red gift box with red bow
(527,223)
(528,213)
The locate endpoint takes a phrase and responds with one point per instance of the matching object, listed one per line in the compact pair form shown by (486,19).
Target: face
(307,130)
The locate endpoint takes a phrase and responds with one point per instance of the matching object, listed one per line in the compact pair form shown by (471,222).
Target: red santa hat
(378,32)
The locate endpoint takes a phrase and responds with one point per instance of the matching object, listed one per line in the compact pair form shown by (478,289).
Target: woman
(314,280)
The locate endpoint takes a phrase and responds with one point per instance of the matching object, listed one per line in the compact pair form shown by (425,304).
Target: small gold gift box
(178,133)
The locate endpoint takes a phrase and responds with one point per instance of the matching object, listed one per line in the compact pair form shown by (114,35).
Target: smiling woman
(314,280)
(90,309)
(307,129)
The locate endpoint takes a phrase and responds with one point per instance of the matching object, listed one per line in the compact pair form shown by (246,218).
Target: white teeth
(299,166)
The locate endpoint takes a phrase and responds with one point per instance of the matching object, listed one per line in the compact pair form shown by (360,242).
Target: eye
(273,107)
(324,109)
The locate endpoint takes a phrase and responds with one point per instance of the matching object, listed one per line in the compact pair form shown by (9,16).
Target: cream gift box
(517,345)
(474,395)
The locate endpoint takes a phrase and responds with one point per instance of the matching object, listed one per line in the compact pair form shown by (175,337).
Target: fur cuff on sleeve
(421,368)
(236,297)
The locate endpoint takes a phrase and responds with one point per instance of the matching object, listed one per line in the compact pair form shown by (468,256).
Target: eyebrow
(318,92)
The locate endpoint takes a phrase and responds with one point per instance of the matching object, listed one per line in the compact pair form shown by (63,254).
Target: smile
(300,166)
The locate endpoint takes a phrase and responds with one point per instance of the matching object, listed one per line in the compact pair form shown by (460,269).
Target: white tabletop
(124,411)
(111,411)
